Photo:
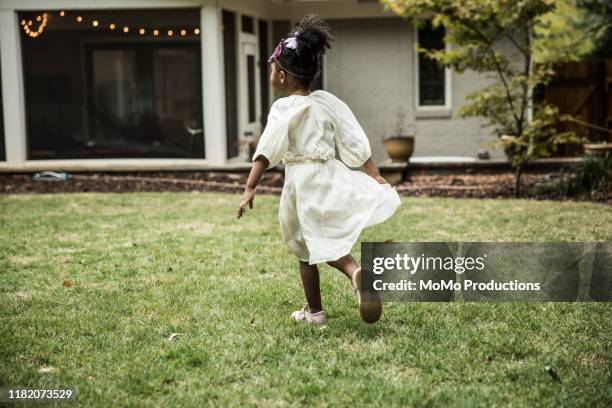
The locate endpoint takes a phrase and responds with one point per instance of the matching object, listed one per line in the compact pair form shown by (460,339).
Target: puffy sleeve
(352,142)
(274,141)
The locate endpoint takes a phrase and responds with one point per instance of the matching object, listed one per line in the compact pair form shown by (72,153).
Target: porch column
(12,89)
(213,83)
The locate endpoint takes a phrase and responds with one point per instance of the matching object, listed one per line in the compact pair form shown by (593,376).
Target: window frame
(429,110)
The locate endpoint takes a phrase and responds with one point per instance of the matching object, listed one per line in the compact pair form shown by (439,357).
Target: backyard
(162,299)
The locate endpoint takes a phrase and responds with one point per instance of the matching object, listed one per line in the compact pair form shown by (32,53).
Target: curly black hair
(304,62)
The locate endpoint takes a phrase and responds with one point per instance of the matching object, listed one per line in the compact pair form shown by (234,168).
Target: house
(183,84)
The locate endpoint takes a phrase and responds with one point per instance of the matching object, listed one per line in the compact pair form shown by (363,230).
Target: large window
(110,84)
(431,75)
(2,148)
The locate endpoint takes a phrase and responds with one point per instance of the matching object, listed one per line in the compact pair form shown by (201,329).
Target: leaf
(174,336)
(67,284)
(48,370)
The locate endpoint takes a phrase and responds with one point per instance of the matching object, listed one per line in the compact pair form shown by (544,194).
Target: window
(251,87)
(248,25)
(432,77)
(231,90)
(112,84)
(264,70)
(2,148)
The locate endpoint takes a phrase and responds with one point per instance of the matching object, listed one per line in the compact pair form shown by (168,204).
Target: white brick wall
(371,68)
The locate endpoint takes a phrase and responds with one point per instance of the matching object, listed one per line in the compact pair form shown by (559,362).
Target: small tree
(541,33)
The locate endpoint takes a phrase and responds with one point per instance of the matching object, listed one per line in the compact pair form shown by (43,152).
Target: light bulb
(196,31)
(62,13)
(112,26)
(155,32)
(79,19)
(141,31)
(94,23)
(183,33)
(126,29)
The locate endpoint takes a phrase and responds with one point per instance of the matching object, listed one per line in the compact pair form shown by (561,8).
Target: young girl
(324,204)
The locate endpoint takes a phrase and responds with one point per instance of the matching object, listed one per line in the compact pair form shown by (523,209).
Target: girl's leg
(310,281)
(370,308)
(346,265)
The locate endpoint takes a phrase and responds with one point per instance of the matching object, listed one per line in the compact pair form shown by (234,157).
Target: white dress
(324,204)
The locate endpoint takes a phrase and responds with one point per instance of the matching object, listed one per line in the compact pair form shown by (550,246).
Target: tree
(540,34)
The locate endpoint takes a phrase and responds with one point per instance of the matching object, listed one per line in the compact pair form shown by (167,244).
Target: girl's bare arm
(259,166)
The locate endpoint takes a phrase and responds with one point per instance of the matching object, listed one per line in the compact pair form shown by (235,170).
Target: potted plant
(400,144)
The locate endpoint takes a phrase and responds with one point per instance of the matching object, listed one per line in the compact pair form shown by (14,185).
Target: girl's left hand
(248,198)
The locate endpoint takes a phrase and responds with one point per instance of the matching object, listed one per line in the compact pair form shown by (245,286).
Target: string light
(27,26)
(41,26)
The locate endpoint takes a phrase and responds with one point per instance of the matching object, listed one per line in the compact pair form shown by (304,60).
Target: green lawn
(144,266)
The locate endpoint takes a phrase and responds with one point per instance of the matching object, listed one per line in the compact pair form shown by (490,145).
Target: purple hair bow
(293,41)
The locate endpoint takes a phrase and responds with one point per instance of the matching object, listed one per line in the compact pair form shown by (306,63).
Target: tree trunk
(517,180)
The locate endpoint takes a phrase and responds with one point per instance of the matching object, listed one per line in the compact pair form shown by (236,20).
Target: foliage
(593,176)
(519,42)
(599,14)
(540,139)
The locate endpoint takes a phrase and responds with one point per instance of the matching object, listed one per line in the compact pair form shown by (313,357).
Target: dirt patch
(461,185)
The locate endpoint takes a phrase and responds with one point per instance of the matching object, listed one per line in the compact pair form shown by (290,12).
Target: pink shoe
(304,315)
(372,310)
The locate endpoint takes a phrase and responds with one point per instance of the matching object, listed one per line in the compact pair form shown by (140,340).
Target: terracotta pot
(597,149)
(399,148)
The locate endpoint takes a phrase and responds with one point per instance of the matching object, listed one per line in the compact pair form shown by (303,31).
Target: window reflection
(114,84)
(431,73)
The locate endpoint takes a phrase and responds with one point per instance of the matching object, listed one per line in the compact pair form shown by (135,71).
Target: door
(144,100)
(250,103)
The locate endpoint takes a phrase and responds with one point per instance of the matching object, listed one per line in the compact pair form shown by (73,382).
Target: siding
(371,68)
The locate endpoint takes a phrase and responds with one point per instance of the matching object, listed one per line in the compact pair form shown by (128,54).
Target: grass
(144,266)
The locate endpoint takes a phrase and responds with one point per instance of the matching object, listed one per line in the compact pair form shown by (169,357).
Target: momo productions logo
(488,271)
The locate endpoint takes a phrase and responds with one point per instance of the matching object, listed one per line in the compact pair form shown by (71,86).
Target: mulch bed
(460,185)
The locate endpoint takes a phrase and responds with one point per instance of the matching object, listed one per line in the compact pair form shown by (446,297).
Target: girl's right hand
(247,198)
(381,179)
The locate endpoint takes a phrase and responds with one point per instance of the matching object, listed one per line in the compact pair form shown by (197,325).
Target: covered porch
(141,85)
